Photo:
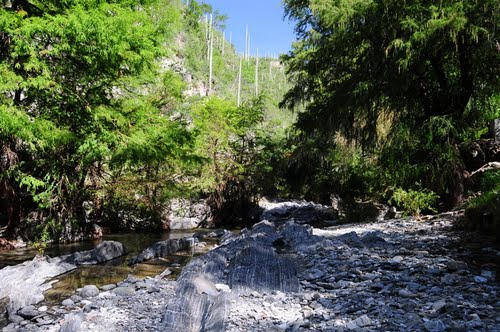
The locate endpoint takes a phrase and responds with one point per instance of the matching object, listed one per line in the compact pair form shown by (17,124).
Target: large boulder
(242,264)
(36,273)
(301,212)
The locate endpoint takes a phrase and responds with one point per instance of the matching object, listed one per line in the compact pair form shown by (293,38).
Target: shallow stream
(113,271)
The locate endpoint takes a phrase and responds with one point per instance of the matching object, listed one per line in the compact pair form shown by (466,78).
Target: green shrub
(413,202)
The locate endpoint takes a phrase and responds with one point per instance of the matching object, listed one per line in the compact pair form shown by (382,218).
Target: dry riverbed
(397,275)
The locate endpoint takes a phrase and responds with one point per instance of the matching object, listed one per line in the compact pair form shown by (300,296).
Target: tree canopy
(371,70)
(74,96)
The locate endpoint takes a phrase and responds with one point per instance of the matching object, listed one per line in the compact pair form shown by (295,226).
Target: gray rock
(495,130)
(199,306)
(28,312)
(480,279)
(164,249)
(359,322)
(75,298)
(71,323)
(68,303)
(435,326)
(108,287)
(124,291)
(439,305)
(16,319)
(185,214)
(4,302)
(89,291)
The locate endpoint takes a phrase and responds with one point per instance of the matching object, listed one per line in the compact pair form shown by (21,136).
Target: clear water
(111,272)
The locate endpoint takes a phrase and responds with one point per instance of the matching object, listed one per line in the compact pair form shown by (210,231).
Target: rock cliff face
(247,263)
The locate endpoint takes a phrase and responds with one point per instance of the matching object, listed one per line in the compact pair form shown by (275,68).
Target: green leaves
(417,69)
(77,97)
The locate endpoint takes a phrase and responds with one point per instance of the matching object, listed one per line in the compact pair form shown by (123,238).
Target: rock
(359,322)
(456,266)
(4,302)
(89,291)
(104,252)
(71,323)
(164,249)
(435,326)
(396,260)
(108,287)
(43,308)
(198,305)
(439,305)
(480,279)
(28,312)
(314,275)
(205,286)
(184,214)
(301,212)
(16,319)
(76,298)
(68,303)
(124,291)
(405,293)
(223,288)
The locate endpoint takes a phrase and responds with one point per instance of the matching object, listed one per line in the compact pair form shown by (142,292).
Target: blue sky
(268,31)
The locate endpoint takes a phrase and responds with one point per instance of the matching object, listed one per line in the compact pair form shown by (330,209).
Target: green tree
(75,77)
(422,67)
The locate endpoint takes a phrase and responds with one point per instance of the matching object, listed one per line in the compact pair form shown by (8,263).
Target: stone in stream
(89,291)
(164,249)
(36,272)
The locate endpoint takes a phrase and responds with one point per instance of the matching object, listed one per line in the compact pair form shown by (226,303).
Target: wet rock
(164,249)
(89,291)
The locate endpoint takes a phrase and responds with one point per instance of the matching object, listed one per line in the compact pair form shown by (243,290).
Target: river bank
(395,275)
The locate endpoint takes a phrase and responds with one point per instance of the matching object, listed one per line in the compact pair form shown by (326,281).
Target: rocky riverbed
(396,275)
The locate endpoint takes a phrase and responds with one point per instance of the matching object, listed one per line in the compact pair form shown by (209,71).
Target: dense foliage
(75,103)
(103,115)
(405,82)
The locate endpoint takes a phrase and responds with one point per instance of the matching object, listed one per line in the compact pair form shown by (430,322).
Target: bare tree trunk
(223,41)
(246,43)
(211,67)
(257,74)
(239,83)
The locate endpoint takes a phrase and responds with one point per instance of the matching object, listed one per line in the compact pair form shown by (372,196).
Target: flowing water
(111,272)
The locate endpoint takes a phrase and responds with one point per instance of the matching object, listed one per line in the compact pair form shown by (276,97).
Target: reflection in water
(111,272)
